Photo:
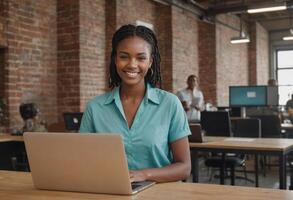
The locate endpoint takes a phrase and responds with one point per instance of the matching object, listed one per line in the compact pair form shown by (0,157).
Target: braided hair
(153,75)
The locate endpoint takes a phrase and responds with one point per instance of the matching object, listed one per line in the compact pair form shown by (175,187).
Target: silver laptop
(94,163)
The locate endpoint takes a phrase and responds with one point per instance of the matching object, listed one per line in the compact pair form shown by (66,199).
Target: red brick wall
(110,28)
(207,60)
(68,56)
(258,55)
(3,9)
(58,51)
(232,59)
(2,82)
(185,47)
(262,57)
(93,79)
(252,55)
(31,58)
(164,34)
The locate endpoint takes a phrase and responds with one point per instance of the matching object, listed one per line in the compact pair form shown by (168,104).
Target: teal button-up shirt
(159,121)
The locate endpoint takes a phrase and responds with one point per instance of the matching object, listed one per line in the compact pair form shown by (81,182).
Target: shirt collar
(151,95)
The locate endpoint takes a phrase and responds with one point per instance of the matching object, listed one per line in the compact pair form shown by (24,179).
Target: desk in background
(10,138)
(265,146)
(10,146)
(19,186)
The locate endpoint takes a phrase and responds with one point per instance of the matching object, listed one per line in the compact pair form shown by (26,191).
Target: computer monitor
(72,120)
(246,96)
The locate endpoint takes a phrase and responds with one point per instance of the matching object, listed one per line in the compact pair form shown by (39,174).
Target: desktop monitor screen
(248,96)
(72,120)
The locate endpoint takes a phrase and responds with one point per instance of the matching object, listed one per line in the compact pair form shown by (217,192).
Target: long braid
(153,75)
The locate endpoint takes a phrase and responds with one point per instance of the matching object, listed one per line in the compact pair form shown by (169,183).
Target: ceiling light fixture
(267,8)
(289,37)
(242,38)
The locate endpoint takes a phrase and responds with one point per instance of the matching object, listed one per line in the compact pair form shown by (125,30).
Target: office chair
(218,124)
(247,127)
(270,128)
(270,125)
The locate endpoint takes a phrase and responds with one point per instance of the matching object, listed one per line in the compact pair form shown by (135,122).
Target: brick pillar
(252,63)
(68,56)
(164,36)
(207,61)
(93,79)
(111,26)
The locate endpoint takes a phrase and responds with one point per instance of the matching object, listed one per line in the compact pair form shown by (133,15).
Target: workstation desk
(19,186)
(4,137)
(256,146)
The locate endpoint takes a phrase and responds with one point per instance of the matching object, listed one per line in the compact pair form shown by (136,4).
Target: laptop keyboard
(135,185)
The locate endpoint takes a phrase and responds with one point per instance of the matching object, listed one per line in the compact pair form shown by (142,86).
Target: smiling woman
(151,121)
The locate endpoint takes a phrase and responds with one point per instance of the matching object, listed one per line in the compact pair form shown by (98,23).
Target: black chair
(270,128)
(251,128)
(218,124)
(247,127)
(270,125)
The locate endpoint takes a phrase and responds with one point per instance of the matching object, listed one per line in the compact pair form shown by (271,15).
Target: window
(285,75)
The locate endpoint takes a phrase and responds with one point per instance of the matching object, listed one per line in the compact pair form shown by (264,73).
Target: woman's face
(192,82)
(133,60)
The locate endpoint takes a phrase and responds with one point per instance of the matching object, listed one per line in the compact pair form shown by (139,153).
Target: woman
(151,121)
(192,99)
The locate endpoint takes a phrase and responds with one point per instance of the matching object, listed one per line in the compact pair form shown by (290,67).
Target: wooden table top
(287,126)
(18,186)
(262,144)
(7,137)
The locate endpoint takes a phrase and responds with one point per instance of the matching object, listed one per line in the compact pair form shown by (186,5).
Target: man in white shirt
(192,99)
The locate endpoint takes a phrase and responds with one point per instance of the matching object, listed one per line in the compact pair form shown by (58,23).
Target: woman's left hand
(137,175)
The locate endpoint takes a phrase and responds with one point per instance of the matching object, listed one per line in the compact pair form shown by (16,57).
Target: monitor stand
(243,112)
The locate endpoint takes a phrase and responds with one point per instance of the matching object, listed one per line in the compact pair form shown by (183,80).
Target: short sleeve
(179,126)
(87,125)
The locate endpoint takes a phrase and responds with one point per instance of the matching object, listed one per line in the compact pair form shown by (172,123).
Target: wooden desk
(266,146)
(287,126)
(10,138)
(18,186)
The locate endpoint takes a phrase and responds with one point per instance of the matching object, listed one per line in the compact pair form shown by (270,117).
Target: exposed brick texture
(232,59)
(56,53)
(185,47)
(2,65)
(258,55)
(68,47)
(163,31)
(262,55)
(252,55)
(207,61)
(31,57)
(3,11)
(110,28)
(93,78)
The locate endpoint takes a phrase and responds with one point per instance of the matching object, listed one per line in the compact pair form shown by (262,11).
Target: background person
(289,108)
(192,99)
